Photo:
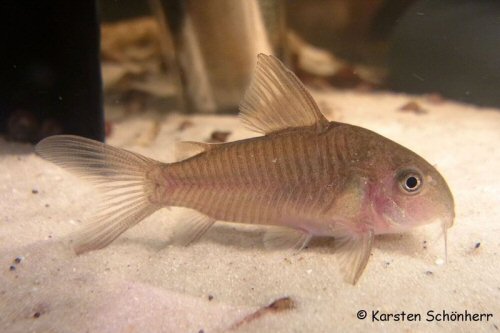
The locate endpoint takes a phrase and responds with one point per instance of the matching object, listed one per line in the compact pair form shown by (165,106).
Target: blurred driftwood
(133,64)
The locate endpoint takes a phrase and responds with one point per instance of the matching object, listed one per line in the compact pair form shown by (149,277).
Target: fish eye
(410,182)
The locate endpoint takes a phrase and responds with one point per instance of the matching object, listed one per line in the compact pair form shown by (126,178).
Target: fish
(302,177)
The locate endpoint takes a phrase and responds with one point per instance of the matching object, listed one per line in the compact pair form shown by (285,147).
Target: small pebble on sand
(414,107)
(219,136)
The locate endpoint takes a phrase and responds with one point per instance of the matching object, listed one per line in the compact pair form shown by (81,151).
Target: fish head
(409,192)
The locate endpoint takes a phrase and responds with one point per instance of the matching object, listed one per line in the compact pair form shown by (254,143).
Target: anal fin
(283,238)
(190,225)
(354,252)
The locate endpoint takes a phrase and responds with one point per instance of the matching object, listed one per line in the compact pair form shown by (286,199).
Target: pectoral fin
(286,238)
(353,253)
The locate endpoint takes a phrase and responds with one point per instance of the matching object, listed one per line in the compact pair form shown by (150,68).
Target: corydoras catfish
(304,177)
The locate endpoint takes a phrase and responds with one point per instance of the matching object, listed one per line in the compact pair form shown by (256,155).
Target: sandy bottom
(228,281)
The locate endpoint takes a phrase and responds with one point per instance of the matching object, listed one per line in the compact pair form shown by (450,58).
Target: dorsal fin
(277,100)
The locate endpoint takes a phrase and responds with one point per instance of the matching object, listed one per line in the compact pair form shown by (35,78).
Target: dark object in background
(450,47)
(49,69)
(116,11)
(353,30)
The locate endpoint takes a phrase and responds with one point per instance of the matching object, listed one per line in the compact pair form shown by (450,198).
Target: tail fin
(122,175)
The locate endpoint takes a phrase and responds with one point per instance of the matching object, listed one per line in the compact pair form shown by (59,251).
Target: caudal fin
(121,174)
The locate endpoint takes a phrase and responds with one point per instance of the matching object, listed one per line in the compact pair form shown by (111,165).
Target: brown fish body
(265,180)
(305,175)
(297,177)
